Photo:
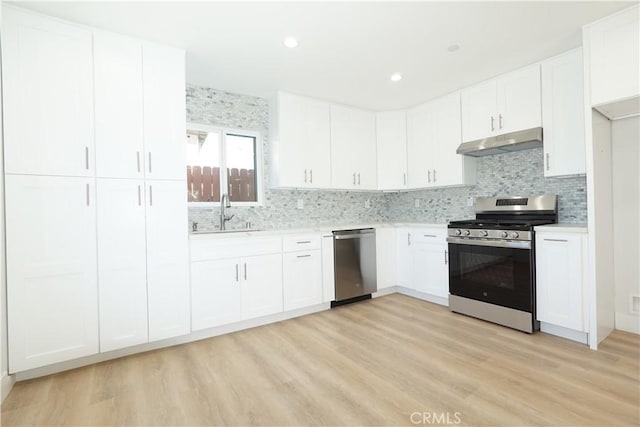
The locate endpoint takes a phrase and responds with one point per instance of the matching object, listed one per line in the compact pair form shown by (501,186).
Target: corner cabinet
(353,149)
(563,115)
(502,105)
(560,277)
(300,142)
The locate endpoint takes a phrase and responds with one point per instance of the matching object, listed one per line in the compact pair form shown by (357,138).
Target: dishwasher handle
(353,234)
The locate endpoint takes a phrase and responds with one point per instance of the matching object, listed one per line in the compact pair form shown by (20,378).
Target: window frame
(259,164)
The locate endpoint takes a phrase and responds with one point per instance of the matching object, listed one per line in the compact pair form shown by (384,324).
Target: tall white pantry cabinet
(97,246)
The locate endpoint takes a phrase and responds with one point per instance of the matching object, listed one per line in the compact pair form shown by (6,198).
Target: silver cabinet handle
(408,239)
(500,121)
(358,178)
(556,240)
(404,178)
(303,242)
(546,157)
(151,195)
(139,196)
(446,256)
(86,158)
(237,274)
(310,176)
(304,256)
(150,170)
(429,176)
(434,176)
(138,160)
(245,271)
(430,235)
(88,201)
(354,178)
(492,127)
(305,176)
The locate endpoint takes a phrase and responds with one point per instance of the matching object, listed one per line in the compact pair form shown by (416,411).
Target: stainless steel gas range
(492,259)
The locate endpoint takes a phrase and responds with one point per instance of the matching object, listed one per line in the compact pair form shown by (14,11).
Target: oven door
(494,272)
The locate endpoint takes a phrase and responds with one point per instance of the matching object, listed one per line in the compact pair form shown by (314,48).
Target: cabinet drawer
(429,235)
(300,242)
(203,250)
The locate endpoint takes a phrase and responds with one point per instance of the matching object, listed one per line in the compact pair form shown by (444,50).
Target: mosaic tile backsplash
(518,173)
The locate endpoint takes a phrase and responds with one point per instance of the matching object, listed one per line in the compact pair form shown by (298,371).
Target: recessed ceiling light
(396,77)
(453,47)
(290,42)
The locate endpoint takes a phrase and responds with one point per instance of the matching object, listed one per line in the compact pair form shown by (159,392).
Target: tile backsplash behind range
(518,173)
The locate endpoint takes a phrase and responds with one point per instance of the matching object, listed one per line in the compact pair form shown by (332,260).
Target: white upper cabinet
(164,98)
(434,134)
(118,106)
(48,96)
(563,114)
(505,104)
(353,148)
(613,48)
(391,136)
(52,290)
(300,142)
(167,259)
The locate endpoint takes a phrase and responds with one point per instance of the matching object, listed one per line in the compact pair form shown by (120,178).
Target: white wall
(625,149)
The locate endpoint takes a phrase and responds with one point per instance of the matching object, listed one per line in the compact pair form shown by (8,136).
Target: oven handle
(494,243)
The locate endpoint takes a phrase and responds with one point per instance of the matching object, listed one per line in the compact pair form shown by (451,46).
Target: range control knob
(484,233)
(458,232)
(467,232)
(504,234)
(514,235)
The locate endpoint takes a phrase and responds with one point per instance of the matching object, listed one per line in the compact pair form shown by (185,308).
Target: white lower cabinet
(328,269)
(216,292)
(52,292)
(261,286)
(302,272)
(422,260)
(560,262)
(386,257)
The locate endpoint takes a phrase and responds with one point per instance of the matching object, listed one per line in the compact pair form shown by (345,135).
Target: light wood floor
(371,363)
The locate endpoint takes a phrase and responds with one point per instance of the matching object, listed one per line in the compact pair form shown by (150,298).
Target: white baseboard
(562,332)
(627,322)
(7,383)
(194,336)
(423,296)
(385,291)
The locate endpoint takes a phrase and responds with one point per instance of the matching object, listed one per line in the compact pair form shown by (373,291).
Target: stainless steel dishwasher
(354,254)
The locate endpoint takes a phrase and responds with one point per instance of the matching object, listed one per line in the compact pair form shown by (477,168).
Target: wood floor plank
(387,361)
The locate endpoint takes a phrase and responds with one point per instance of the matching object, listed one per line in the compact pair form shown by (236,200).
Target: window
(223,161)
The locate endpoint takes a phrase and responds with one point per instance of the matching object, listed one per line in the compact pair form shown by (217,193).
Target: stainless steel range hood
(508,142)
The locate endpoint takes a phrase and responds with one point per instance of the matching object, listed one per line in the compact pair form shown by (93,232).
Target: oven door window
(496,275)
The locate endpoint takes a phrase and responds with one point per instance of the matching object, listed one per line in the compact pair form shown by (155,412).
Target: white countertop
(562,228)
(323,229)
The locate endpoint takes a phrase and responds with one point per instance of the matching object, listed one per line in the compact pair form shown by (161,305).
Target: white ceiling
(347,51)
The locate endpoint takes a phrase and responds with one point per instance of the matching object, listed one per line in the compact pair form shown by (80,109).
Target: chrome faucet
(224,218)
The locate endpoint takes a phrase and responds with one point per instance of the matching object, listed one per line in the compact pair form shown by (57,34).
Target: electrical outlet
(416,203)
(469,201)
(300,204)
(367,203)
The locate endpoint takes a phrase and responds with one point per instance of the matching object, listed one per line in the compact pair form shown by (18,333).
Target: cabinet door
(122,263)
(479,116)
(615,57)
(563,115)
(391,135)
(262,285)
(328,270)
(419,149)
(164,112)
(353,148)
(404,258)
(519,105)
(302,279)
(431,273)
(386,257)
(559,280)
(52,292)
(216,293)
(118,105)
(167,259)
(48,96)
